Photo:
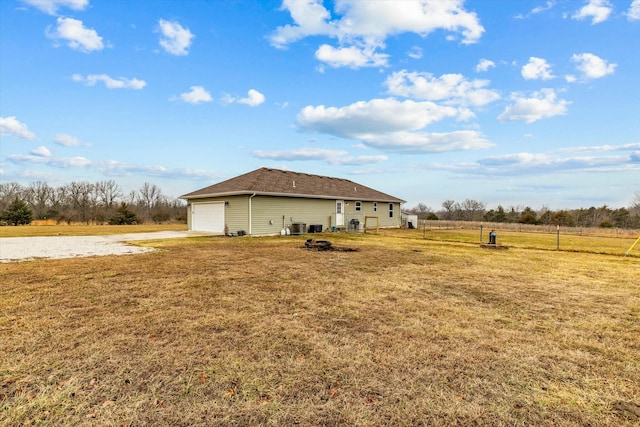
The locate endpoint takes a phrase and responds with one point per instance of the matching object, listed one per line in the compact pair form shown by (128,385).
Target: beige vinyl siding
(237,214)
(367,210)
(268,213)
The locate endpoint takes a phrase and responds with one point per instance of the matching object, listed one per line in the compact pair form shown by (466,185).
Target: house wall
(267,209)
(236,215)
(369,209)
(267,213)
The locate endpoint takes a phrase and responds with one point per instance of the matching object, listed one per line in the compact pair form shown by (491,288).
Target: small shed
(410,221)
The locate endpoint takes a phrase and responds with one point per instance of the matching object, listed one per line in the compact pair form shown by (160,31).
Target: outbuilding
(271,201)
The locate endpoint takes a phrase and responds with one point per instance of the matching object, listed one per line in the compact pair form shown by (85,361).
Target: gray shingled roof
(275,182)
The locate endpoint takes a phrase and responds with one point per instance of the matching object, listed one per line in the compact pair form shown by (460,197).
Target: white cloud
(175,39)
(538,9)
(484,65)
(76,35)
(197,95)
(531,163)
(300,154)
(428,142)
(537,68)
(415,52)
(57,162)
(359,160)
(371,117)
(352,56)
(68,141)
(633,14)
(452,89)
(542,104)
(334,157)
(10,126)
(109,82)
(41,151)
(109,167)
(117,168)
(51,6)
(253,99)
(570,78)
(391,125)
(592,66)
(310,17)
(599,148)
(361,27)
(597,10)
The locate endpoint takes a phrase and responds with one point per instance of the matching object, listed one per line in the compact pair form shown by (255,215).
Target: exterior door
(339,213)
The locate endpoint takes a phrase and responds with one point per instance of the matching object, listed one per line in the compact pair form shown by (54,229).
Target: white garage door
(208,217)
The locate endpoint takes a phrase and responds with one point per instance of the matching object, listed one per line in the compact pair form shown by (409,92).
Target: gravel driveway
(25,248)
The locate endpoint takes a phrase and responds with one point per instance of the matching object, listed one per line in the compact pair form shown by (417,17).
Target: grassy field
(410,329)
(84,230)
(543,241)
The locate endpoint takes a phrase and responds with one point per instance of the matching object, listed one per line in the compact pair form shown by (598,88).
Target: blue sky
(519,103)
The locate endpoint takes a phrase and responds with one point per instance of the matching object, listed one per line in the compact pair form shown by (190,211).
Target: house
(269,201)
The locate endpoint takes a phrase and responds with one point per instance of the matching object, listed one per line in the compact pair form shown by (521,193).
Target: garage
(208,217)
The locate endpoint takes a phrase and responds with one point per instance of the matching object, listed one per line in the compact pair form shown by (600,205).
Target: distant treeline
(472,210)
(102,202)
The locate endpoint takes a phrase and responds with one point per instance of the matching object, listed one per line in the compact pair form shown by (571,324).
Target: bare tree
(8,193)
(635,203)
(449,208)
(149,196)
(107,195)
(40,197)
(472,210)
(61,204)
(86,202)
(82,198)
(132,198)
(421,210)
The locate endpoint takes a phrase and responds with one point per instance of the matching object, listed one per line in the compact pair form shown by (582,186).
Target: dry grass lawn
(259,331)
(84,230)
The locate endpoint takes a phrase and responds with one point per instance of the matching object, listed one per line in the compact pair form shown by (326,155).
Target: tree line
(85,202)
(473,210)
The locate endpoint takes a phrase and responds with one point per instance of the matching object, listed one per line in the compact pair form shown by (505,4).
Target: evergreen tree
(528,216)
(18,213)
(123,216)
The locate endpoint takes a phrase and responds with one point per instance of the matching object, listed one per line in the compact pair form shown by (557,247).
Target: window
(390,210)
(358,206)
(375,206)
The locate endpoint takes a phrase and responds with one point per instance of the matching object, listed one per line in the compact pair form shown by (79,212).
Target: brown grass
(84,230)
(259,331)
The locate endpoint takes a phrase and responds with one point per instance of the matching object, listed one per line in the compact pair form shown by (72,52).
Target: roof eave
(294,195)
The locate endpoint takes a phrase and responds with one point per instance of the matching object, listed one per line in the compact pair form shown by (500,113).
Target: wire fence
(528,228)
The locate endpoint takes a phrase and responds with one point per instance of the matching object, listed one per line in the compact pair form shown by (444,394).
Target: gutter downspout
(250,216)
